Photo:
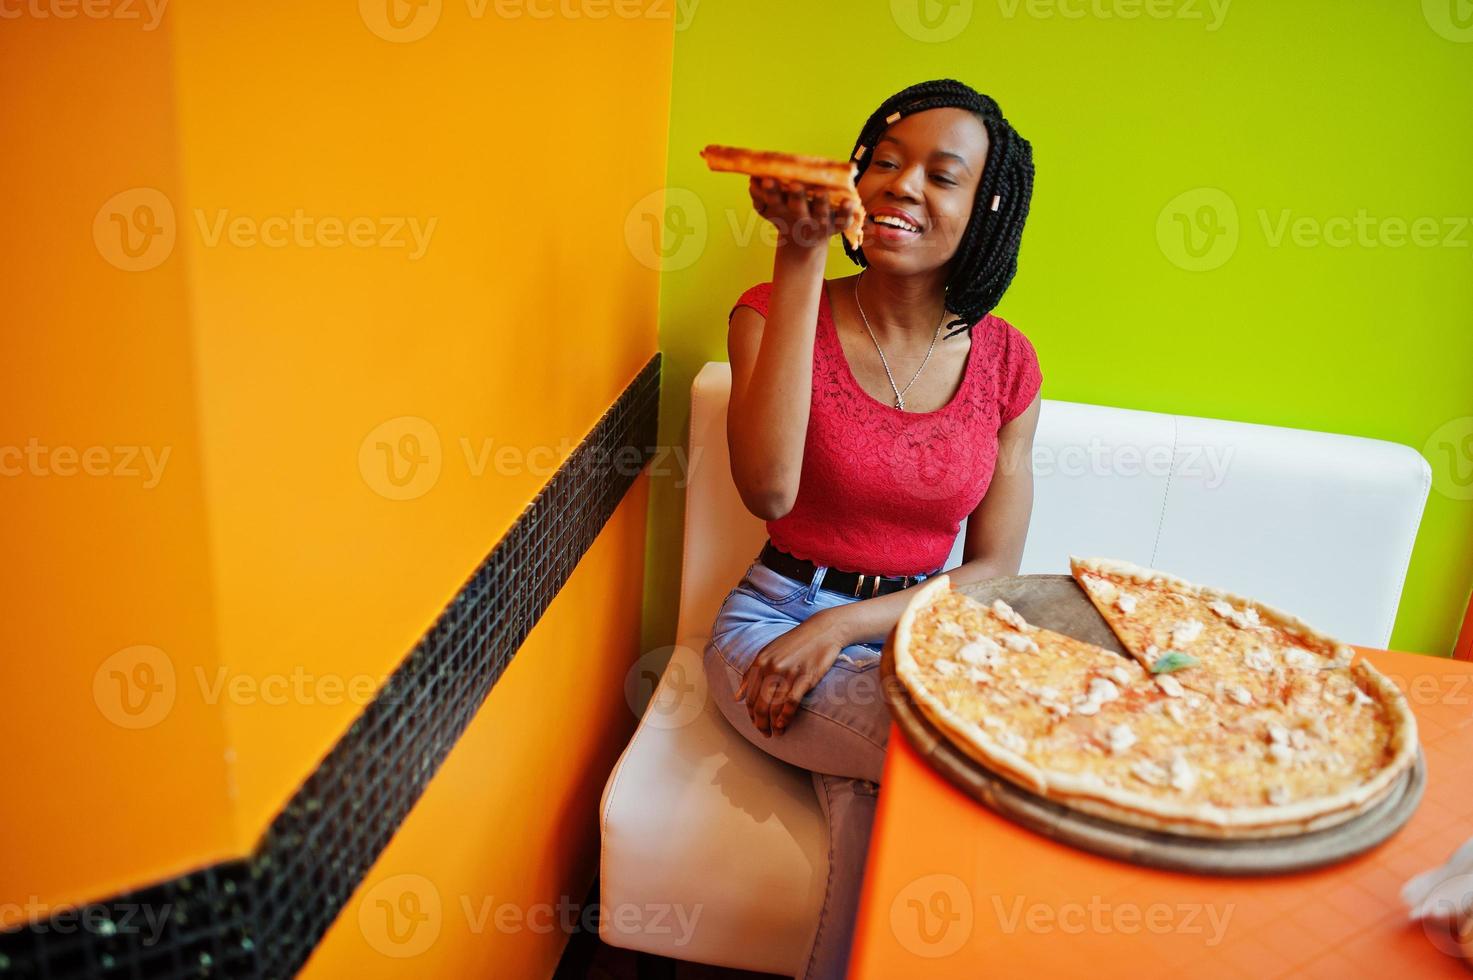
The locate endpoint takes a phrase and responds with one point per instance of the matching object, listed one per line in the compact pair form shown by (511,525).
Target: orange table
(953,890)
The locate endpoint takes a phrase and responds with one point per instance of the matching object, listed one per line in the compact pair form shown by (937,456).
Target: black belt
(854,584)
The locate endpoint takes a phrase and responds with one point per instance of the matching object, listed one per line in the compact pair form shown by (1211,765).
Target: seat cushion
(701,823)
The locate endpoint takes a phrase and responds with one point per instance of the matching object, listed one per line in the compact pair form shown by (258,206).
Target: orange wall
(506,834)
(273,553)
(92,567)
(518,326)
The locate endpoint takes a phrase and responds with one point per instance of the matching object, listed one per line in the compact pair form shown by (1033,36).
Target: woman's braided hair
(987,256)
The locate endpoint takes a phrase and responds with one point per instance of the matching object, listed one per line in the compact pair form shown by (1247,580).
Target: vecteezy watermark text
(402,458)
(1211,12)
(114,919)
(1199,230)
(138,686)
(119,462)
(135,230)
(303,230)
(403,916)
(149,12)
(406,21)
(1099,916)
(1364,230)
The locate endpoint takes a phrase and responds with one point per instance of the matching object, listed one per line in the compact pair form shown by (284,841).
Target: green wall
(1338,124)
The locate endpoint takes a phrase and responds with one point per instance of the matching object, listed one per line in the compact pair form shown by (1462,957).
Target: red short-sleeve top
(884,491)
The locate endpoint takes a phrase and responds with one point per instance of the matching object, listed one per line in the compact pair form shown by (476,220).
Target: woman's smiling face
(923,173)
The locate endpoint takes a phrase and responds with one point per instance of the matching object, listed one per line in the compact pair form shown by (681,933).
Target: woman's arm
(772,385)
(996,531)
(772,360)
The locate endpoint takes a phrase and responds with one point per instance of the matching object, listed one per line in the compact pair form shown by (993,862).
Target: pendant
(900,403)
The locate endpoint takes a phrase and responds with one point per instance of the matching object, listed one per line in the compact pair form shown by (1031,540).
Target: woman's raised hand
(802,214)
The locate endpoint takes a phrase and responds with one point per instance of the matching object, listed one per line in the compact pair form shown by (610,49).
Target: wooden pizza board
(1057,602)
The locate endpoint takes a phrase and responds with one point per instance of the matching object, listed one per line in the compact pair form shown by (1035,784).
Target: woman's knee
(853,698)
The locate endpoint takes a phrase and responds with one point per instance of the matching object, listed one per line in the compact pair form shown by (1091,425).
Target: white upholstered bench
(695,818)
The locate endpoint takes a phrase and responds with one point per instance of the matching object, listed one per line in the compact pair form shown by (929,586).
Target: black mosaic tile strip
(262,917)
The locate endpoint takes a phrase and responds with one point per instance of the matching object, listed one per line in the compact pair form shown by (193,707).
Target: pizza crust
(819,171)
(1090,794)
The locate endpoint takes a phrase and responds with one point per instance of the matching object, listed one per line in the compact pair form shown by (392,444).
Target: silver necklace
(899,394)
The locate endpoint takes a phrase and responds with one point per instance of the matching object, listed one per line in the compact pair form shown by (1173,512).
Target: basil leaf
(1173,660)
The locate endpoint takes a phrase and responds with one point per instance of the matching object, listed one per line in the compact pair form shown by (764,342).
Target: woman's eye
(940,178)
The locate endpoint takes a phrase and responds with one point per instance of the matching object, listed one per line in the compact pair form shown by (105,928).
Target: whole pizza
(1233,719)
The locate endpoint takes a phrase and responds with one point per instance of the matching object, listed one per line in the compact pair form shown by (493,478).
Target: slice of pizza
(986,669)
(819,171)
(1236,649)
(833,178)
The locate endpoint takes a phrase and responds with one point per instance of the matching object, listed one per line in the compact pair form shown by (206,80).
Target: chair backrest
(1319,524)
(722,537)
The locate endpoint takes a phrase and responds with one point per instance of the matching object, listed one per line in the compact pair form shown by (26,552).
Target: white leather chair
(694,817)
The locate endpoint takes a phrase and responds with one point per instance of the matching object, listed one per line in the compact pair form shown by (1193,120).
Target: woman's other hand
(785,670)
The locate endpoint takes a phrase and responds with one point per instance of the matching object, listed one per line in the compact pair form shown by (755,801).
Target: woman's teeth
(893,222)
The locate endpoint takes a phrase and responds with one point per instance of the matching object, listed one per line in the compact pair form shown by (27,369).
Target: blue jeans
(838,734)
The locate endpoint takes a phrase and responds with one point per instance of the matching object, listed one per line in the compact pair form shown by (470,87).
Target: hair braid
(986,258)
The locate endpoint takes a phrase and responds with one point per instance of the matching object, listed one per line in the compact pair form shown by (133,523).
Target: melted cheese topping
(1226,732)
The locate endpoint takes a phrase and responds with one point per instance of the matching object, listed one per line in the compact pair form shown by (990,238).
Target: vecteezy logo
(1444,914)
(1452,19)
(931,21)
(666,229)
(135,688)
(932,916)
(675,703)
(401,916)
(400,459)
(401,21)
(1198,230)
(1450,451)
(135,229)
